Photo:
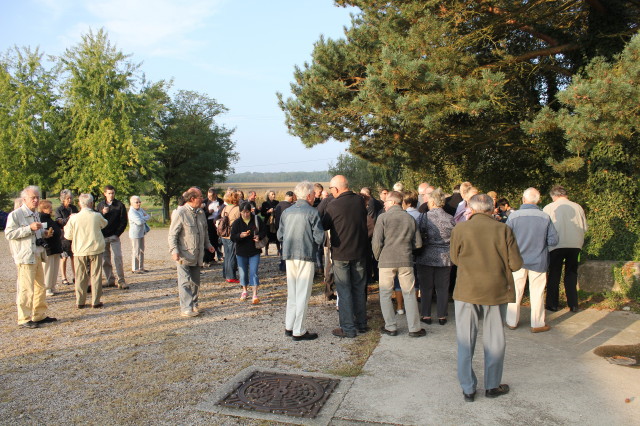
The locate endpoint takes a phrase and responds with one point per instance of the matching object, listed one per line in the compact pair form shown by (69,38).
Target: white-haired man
(25,234)
(84,230)
(301,234)
(534,233)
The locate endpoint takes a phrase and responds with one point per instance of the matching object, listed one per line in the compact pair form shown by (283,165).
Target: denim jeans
(248,270)
(350,280)
(230,262)
(188,285)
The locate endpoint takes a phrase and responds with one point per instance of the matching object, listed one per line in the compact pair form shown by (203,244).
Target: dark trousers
(213,239)
(558,257)
(350,283)
(434,278)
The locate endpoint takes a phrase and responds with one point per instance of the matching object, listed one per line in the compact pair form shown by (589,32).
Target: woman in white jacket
(137,228)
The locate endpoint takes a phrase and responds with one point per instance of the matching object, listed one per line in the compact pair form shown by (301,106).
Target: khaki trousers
(537,284)
(51,269)
(137,254)
(31,300)
(88,267)
(112,243)
(407,284)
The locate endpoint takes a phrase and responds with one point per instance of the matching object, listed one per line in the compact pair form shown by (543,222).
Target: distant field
(262,187)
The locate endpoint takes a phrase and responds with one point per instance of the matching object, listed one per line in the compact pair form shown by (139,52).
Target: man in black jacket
(117,218)
(346,219)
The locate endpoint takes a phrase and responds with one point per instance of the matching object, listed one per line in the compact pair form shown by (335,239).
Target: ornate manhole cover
(290,394)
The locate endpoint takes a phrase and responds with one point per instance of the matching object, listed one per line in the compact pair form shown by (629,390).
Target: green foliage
(193,150)
(602,158)
(30,144)
(361,173)
(625,275)
(102,108)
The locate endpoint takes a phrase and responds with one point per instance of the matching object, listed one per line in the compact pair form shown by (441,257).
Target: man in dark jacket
(346,219)
(117,218)
(289,199)
(486,253)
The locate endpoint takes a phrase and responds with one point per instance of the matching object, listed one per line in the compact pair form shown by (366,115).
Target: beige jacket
(188,235)
(84,229)
(570,222)
(22,240)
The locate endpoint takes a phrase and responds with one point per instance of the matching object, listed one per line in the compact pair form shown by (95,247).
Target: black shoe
(388,332)
(364,330)
(496,392)
(288,333)
(426,320)
(551,308)
(574,309)
(420,333)
(98,305)
(29,324)
(442,321)
(469,397)
(306,336)
(46,320)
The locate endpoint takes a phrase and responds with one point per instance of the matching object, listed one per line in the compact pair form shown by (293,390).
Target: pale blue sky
(239,52)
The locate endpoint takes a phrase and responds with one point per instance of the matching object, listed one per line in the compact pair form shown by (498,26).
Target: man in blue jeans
(346,219)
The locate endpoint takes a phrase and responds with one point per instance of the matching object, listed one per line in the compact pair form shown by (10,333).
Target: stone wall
(596,276)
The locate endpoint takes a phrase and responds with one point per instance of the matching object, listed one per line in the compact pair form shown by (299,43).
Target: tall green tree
(30,120)
(103,108)
(445,85)
(193,149)
(599,119)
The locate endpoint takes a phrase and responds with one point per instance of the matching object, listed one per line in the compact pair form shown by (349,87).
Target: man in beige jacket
(84,229)
(25,234)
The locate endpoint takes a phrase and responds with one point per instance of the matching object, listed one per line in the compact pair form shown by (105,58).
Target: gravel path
(136,361)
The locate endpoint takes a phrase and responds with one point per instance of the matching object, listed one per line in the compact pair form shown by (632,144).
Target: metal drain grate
(289,394)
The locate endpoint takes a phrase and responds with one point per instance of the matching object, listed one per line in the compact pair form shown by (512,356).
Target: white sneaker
(400,312)
(189,314)
(50,293)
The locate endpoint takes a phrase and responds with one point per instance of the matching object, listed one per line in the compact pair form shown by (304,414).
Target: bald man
(346,219)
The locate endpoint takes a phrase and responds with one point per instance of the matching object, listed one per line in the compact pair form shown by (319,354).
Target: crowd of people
(416,244)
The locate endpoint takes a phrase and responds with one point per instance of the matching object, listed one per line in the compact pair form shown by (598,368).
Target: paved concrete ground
(555,378)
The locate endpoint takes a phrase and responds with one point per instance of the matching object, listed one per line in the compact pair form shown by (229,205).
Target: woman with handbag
(137,229)
(63,212)
(228,215)
(250,235)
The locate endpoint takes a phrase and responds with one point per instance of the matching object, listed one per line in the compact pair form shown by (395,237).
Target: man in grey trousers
(188,239)
(486,254)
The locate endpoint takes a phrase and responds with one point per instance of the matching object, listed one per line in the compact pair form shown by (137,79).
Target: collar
(529,207)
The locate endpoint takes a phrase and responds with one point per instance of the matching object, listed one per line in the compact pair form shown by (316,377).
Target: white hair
(85,200)
(303,189)
(133,198)
(531,196)
(481,203)
(64,194)
(28,189)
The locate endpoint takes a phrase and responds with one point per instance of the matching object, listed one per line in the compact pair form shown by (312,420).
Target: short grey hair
(85,200)
(132,198)
(395,196)
(303,189)
(437,197)
(481,203)
(558,191)
(28,189)
(65,193)
(531,196)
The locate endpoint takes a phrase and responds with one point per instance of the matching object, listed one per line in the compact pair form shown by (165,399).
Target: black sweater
(346,217)
(246,247)
(117,218)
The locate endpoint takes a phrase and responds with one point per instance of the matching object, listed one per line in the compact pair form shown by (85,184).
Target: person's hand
(48,233)
(60,221)
(105,210)
(245,234)
(211,250)
(256,238)
(175,256)
(35,226)
(270,210)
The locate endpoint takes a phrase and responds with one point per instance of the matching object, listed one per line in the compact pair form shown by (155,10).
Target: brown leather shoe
(540,329)
(339,332)
(510,327)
